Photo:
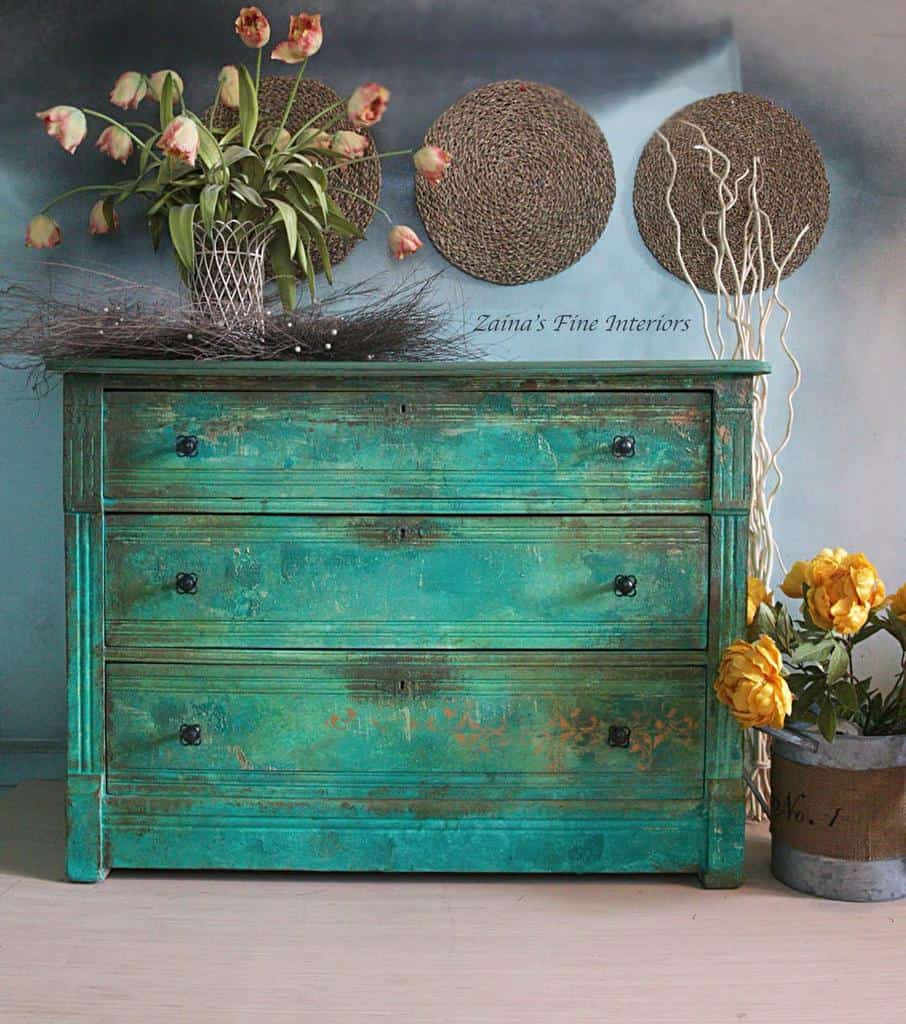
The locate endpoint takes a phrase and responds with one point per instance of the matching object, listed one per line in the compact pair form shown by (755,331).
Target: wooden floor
(150,946)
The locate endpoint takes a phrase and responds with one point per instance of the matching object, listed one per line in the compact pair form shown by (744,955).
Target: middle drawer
(425,581)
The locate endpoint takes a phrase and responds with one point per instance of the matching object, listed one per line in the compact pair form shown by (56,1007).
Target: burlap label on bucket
(851,815)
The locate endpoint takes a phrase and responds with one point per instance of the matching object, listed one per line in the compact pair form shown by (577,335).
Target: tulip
(180,140)
(253,28)
(156,83)
(322,140)
(97,221)
(66,124)
(349,144)
(305,38)
(228,80)
(402,241)
(431,162)
(116,143)
(43,232)
(279,140)
(129,90)
(367,104)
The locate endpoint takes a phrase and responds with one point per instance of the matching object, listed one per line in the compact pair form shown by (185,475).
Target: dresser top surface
(576,369)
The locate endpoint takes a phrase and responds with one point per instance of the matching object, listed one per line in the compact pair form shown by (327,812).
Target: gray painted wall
(835,65)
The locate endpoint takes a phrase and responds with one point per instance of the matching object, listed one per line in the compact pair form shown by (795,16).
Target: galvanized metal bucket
(838,815)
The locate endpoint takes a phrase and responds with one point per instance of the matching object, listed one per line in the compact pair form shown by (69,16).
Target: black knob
(623,446)
(186,446)
(618,736)
(186,582)
(190,735)
(626,586)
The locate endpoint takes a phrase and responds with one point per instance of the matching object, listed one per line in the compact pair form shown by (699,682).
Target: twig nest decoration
(312,97)
(530,187)
(793,186)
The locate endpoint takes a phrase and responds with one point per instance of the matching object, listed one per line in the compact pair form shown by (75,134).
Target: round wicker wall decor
(312,97)
(530,187)
(794,189)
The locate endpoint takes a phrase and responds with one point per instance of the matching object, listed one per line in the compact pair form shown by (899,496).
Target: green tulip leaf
(181,221)
(284,271)
(207,205)
(248,106)
(287,214)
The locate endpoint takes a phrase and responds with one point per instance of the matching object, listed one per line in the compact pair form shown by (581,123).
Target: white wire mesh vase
(227,282)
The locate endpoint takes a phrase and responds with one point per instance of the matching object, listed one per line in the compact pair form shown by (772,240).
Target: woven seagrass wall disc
(794,190)
(530,187)
(312,97)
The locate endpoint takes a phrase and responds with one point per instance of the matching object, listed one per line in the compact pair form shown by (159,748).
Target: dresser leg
(85,861)
(725,837)
(720,879)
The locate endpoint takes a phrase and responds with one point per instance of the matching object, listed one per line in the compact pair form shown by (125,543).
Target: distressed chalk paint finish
(397,643)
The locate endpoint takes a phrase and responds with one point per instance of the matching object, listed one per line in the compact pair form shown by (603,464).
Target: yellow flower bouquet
(809,659)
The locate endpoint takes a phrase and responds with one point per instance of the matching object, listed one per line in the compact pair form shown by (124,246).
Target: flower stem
(364,199)
(292,96)
(372,156)
(82,188)
(258,70)
(311,121)
(115,123)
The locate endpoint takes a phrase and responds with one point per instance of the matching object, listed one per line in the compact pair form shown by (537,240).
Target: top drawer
(340,451)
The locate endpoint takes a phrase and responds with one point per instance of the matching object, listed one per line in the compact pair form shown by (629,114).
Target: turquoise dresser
(404,617)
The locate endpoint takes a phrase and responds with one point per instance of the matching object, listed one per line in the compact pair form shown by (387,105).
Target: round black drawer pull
(186,582)
(618,736)
(187,446)
(623,446)
(626,586)
(190,735)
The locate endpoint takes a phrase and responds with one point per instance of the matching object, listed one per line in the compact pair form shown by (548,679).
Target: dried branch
(113,317)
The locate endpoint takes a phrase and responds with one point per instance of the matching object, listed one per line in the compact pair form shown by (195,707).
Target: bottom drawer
(569,725)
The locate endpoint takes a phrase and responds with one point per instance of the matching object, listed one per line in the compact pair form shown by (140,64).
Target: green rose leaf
(827,721)
(838,666)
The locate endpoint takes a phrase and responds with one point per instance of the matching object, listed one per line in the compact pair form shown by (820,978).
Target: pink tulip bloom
(156,83)
(281,139)
(43,232)
(129,90)
(349,144)
(66,124)
(305,38)
(367,104)
(431,162)
(253,28)
(116,143)
(97,222)
(228,79)
(180,140)
(402,241)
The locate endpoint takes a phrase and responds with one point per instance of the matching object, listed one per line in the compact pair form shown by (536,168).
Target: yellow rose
(756,593)
(795,580)
(750,682)
(898,603)
(869,586)
(843,590)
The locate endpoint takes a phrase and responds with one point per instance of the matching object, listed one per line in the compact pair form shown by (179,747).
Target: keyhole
(402,686)
(402,407)
(402,533)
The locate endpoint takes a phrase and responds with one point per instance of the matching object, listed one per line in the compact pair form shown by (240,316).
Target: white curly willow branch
(744,309)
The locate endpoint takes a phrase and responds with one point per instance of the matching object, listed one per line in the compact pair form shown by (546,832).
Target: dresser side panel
(729,556)
(84,561)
